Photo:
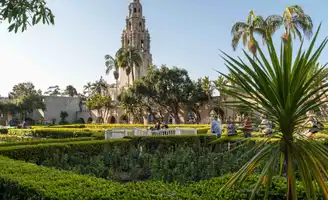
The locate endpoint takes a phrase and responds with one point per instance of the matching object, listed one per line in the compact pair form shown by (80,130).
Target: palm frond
(285,88)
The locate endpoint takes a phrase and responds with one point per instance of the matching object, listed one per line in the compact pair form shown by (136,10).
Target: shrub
(170,158)
(3,130)
(31,142)
(53,132)
(202,130)
(20,180)
(38,153)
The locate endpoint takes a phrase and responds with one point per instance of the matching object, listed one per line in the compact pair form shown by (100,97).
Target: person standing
(216,126)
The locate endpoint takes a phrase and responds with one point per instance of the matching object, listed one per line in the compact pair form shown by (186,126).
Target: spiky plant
(284,89)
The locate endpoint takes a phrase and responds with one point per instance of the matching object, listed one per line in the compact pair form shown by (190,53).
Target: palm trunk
(290,170)
(132,74)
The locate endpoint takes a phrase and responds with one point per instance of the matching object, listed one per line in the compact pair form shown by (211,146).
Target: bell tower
(136,35)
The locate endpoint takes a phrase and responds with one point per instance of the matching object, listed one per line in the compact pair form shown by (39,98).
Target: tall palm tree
(99,87)
(295,21)
(87,89)
(246,30)
(128,59)
(284,90)
(112,64)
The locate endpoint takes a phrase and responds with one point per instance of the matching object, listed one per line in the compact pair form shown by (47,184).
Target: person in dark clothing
(165,126)
(158,126)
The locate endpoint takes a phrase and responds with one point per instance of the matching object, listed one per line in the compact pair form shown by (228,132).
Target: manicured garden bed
(20,180)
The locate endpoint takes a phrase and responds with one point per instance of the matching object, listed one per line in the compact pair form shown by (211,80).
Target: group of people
(159,126)
(266,126)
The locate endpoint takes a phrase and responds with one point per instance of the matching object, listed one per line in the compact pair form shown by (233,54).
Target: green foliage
(285,90)
(70,91)
(52,133)
(63,116)
(3,130)
(150,93)
(38,153)
(53,91)
(43,141)
(20,180)
(98,101)
(26,98)
(112,64)
(22,13)
(127,58)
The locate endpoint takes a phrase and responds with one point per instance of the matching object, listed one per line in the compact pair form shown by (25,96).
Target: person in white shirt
(265,125)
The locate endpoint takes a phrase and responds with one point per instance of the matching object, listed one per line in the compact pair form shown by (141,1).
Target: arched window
(130,26)
(142,45)
(134,10)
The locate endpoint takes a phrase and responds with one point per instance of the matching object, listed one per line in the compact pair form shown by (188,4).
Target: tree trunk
(129,80)
(290,172)
(177,118)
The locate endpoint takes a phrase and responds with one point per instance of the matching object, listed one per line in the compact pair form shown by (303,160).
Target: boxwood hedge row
(25,181)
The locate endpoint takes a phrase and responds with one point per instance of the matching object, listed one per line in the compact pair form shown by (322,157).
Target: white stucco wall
(56,104)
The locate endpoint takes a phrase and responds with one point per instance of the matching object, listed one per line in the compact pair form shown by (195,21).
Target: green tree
(283,89)
(246,31)
(27,98)
(198,97)
(169,88)
(63,116)
(99,87)
(53,91)
(103,105)
(70,91)
(87,89)
(112,64)
(129,59)
(23,13)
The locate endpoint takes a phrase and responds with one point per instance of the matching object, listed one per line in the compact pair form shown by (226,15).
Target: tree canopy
(163,90)
(23,13)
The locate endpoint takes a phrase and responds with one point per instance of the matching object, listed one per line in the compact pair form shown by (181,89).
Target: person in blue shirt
(231,128)
(216,126)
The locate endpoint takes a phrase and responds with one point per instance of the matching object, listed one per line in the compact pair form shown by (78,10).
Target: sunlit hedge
(20,180)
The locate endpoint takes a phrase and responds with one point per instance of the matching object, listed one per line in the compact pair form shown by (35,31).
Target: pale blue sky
(184,33)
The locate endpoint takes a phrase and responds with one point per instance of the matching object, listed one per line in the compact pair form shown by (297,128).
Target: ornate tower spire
(135,35)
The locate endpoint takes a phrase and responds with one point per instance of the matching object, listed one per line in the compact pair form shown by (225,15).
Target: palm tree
(127,58)
(99,87)
(112,63)
(295,21)
(87,88)
(283,89)
(246,30)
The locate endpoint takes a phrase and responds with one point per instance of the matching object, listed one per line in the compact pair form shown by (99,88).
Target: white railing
(120,133)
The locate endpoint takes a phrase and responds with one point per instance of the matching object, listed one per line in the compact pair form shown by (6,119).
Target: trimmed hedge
(110,126)
(3,130)
(20,180)
(37,153)
(53,133)
(43,141)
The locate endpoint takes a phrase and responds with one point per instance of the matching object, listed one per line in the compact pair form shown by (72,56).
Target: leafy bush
(38,153)
(53,132)
(3,130)
(43,141)
(110,126)
(170,158)
(20,180)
